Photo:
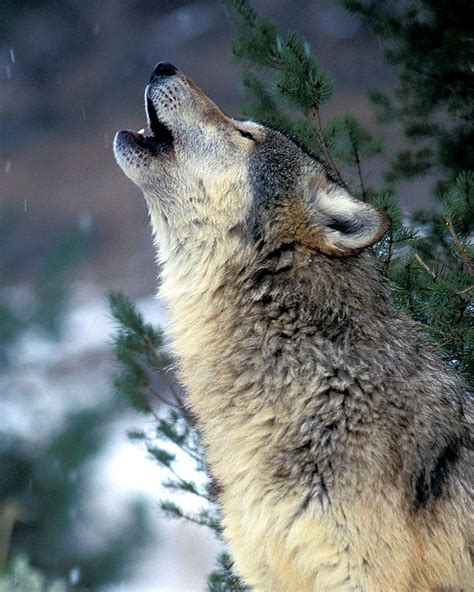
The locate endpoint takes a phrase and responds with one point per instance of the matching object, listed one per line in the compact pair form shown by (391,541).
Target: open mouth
(159,138)
(159,132)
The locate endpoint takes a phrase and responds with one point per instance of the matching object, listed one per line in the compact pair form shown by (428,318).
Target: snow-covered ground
(47,380)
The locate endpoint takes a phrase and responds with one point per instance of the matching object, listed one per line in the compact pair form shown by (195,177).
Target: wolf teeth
(142,131)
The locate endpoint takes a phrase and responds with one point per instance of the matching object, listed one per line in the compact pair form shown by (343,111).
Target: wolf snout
(163,70)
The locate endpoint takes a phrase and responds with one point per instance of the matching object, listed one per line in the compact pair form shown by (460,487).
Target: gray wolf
(338,439)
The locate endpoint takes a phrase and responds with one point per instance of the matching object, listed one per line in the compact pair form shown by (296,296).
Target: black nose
(163,69)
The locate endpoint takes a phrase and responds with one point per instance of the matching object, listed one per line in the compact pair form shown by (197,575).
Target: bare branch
(426,268)
(461,248)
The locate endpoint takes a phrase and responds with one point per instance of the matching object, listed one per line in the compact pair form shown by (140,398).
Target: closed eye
(245,134)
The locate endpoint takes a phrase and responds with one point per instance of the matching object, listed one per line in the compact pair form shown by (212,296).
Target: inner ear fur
(338,224)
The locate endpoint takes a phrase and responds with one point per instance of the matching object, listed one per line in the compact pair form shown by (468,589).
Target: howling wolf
(338,439)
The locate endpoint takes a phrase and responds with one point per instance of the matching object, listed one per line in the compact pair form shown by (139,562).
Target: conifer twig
(186,449)
(184,484)
(156,395)
(461,248)
(315,116)
(359,170)
(426,268)
(179,403)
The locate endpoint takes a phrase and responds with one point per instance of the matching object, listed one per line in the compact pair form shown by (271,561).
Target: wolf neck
(229,314)
(190,283)
(256,340)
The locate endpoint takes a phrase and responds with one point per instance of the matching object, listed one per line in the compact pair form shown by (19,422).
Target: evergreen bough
(427,255)
(45,482)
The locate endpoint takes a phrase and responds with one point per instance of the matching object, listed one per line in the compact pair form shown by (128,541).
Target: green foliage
(222,579)
(408,164)
(289,92)
(261,103)
(299,78)
(45,483)
(44,499)
(21,577)
(431,43)
(427,256)
(352,145)
(257,39)
(138,347)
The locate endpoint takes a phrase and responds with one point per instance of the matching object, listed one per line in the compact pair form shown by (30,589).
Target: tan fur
(338,440)
(309,552)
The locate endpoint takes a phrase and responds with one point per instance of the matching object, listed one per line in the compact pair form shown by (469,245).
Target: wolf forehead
(197,166)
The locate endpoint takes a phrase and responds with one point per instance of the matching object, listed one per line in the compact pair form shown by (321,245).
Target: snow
(86,328)
(47,380)
(184,553)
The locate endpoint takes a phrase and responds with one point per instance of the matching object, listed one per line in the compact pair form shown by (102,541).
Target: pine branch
(298,80)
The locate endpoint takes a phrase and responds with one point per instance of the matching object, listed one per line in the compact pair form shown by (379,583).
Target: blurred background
(77,499)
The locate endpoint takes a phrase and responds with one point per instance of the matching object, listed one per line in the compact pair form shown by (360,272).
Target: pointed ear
(341,224)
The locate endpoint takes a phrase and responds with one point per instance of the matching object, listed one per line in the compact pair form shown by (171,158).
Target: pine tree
(43,505)
(427,256)
(431,43)
(44,486)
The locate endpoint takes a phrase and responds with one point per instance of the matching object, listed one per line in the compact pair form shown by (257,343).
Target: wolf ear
(341,224)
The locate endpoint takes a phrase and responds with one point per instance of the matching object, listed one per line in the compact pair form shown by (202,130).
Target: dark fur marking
(304,506)
(430,483)
(269,266)
(324,492)
(263,273)
(275,254)
(266,299)
(306,447)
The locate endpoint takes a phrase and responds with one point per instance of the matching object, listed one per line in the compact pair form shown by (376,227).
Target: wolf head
(208,178)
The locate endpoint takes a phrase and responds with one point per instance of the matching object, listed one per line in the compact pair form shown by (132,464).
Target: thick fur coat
(338,439)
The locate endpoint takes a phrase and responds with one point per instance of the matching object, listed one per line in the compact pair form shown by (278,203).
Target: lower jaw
(151,143)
